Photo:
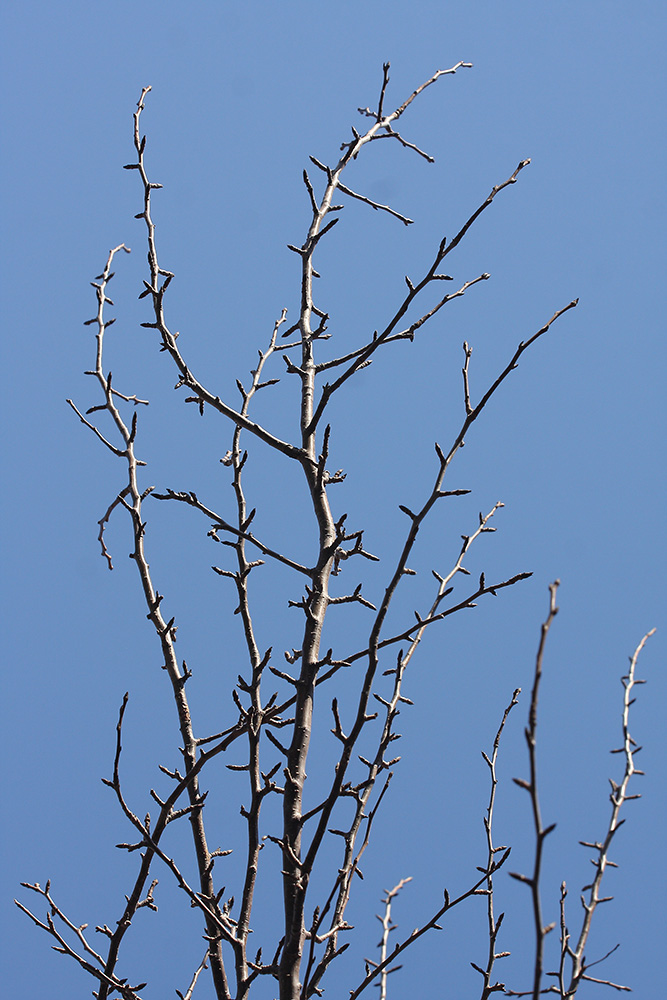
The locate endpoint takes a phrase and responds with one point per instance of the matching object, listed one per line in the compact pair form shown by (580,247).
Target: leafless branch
(591,898)
(568,983)
(493,924)
(541,832)
(431,924)
(98,970)
(272,748)
(387,928)
(193,982)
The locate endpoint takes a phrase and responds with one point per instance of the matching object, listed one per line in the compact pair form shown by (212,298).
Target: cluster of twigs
(278,730)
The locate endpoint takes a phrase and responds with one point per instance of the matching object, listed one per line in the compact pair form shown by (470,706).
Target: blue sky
(573,445)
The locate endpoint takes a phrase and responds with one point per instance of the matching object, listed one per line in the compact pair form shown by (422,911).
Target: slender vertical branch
(387,928)
(541,832)
(260,784)
(132,498)
(494,923)
(591,898)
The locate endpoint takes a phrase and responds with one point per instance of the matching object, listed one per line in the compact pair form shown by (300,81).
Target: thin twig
(493,924)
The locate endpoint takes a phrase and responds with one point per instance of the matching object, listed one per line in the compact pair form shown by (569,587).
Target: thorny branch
(317,599)
(432,924)
(494,923)
(387,928)
(590,897)
(541,832)
(98,970)
(568,983)
(132,498)
(365,728)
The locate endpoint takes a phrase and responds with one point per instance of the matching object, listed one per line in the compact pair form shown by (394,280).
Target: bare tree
(277,730)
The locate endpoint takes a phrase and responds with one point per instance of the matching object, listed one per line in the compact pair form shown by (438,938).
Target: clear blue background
(573,444)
